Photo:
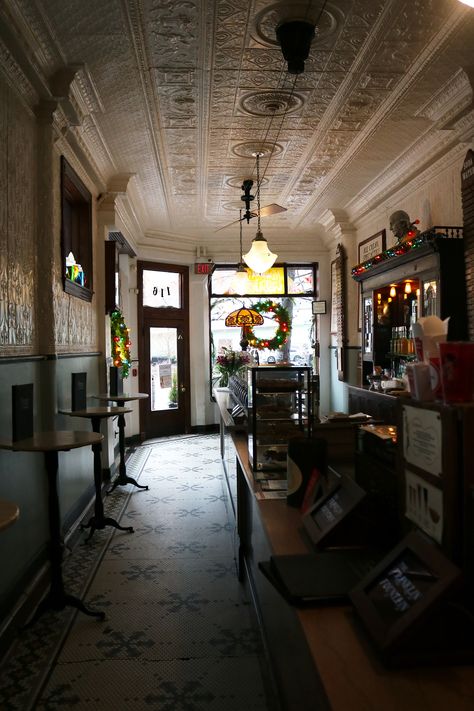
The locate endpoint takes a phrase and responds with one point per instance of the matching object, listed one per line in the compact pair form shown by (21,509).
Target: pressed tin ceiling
(179,94)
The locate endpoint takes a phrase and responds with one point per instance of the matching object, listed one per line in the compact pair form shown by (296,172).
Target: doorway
(164,348)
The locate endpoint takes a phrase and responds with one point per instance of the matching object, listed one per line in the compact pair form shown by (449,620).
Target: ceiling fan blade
(272,209)
(229,224)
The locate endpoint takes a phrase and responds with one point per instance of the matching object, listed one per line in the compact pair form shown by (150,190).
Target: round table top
(9,513)
(56,441)
(99,411)
(123,397)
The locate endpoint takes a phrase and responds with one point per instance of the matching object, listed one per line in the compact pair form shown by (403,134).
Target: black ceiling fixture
(295,38)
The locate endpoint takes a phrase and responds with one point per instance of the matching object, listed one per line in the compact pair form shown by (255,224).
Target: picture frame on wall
(365,250)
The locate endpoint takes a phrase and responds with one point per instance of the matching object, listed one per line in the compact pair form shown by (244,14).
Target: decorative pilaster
(340,231)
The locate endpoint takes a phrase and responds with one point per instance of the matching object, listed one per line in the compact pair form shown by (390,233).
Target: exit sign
(203,267)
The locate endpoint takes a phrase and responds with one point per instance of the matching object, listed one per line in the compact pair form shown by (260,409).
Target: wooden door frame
(181,315)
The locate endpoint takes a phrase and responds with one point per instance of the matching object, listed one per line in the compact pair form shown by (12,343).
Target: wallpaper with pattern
(74,326)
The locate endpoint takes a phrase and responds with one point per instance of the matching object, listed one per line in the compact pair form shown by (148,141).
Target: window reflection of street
(163,368)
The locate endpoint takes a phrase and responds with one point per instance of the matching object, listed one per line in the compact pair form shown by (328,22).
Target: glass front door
(165,380)
(163,368)
(164,349)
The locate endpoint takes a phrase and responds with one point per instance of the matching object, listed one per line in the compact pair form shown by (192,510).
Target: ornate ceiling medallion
(271,103)
(232,206)
(236,182)
(248,149)
(269,18)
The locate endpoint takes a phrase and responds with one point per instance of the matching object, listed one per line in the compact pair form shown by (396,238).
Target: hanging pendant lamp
(259,258)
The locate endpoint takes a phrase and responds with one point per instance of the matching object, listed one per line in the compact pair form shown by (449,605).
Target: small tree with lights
(120,342)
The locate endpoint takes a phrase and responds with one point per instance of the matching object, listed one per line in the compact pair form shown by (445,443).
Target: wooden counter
(321,657)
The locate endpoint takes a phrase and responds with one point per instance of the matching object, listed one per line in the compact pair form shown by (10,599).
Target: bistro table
(96,414)
(50,443)
(9,513)
(123,479)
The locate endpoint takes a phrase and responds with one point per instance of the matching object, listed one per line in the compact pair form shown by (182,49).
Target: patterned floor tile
(171,685)
(178,633)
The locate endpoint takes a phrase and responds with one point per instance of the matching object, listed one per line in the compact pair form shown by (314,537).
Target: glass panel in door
(163,368)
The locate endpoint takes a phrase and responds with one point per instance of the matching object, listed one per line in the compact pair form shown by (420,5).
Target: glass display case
(279,407)
(403,284)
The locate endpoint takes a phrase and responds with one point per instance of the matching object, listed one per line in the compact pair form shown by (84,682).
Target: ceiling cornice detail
(405,83)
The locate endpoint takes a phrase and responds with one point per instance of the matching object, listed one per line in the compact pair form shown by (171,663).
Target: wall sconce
(393,291)
(407,287)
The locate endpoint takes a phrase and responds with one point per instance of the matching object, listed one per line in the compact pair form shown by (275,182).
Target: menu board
(400,586)
(403,588)
(332,508)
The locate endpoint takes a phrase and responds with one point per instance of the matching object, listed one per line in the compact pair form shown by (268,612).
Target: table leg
(123,478)
(57,598)
(98,520)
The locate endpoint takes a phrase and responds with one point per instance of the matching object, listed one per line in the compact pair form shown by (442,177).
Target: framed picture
(371,246)
(366,249)
(319,307)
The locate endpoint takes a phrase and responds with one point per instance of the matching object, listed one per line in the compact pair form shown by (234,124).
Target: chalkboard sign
(402,589)
(78,391)
(22,412)
(332,508)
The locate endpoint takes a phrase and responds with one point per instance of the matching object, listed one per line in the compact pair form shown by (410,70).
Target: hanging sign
(165,375)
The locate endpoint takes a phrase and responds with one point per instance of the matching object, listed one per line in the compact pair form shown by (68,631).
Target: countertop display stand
(123,479)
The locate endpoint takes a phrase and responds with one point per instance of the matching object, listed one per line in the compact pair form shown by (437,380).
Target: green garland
(281,316)
(120,342)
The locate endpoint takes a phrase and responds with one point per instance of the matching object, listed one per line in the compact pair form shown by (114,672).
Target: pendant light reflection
(240,280)
(259,258)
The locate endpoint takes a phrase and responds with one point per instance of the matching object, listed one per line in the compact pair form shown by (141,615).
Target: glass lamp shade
(260,259)
(244,317)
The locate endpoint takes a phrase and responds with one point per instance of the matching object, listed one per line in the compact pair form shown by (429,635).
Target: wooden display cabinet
(397,289)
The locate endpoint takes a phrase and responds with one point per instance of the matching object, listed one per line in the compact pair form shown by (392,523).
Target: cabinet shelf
(278,409)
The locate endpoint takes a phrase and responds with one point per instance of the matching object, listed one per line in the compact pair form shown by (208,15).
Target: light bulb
(393,292)
(407,288)
(259,258)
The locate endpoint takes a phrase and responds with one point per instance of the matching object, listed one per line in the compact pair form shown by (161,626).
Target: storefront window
(291,288)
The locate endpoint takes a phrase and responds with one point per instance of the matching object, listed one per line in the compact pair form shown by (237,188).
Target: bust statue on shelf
(402,227)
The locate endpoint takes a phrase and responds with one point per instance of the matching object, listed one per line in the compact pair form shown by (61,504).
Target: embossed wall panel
(17,224)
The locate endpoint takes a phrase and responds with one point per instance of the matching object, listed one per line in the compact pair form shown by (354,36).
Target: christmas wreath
(281,316)
(120,342)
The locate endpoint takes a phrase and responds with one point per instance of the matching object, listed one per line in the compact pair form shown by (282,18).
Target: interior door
(164,349)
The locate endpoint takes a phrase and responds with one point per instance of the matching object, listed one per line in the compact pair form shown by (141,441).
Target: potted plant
(229,363)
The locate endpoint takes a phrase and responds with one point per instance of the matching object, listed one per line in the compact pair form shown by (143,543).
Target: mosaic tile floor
(178,633)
